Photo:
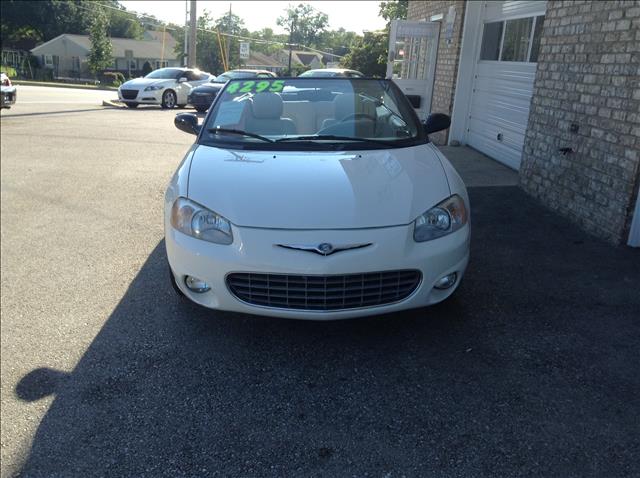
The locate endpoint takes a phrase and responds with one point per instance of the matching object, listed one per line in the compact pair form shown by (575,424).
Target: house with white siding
(67,54)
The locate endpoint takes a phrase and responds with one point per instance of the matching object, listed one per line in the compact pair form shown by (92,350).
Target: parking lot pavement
(39,100)
(530,369)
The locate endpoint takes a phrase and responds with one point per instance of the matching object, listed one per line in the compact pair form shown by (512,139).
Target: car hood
(318,190)
(208,88)
(144,82)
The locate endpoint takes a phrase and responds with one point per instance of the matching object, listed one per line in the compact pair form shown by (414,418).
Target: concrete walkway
(478,170)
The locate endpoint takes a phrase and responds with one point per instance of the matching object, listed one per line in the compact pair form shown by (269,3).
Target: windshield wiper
(314,137)
(240,132)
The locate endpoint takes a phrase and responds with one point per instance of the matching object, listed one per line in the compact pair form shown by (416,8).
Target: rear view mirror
(436,122)
(187,122)
(182,80)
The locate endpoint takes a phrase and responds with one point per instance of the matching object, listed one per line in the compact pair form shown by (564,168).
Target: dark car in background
(8,91)
(202,96)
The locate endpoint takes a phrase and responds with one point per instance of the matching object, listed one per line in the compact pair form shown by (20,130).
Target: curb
(113,104)
(63,85)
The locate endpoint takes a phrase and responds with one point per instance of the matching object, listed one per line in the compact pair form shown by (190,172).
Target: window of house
(535,44)
(161,64)
(490,49)
(515,45)
(75,63)
(48,60)
(512,40)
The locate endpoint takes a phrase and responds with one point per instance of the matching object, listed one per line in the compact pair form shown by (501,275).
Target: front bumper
(142,97)
(255,250)
(201,100)
(8,96)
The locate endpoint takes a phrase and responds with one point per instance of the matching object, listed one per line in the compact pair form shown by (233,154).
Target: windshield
(165,74)
(312,113)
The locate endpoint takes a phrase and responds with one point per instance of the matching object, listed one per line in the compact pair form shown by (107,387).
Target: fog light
(446,281)
(196,285)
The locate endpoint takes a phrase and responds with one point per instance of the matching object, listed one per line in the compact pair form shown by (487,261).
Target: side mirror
(187,122)
(436,122)
(182,79)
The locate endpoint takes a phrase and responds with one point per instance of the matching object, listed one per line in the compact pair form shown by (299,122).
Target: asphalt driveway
(531,369)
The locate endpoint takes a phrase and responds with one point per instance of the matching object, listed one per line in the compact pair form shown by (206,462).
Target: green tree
(304,23)
(268,35)
(393,10)
(338,41)
(43,20)
(100,54)
(208,57)
(234,25)
(123,24)
(46,19)
(368,55)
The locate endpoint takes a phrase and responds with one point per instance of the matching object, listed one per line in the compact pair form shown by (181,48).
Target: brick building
(551,89)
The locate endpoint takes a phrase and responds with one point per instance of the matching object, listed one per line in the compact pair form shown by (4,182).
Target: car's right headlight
(197,221)
(442,219)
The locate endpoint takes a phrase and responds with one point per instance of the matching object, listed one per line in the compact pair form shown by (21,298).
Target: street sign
(244,50)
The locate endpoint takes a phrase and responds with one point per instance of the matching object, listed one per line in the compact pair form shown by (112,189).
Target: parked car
(168,87)
(315,209)
(331,72)
(202,96)
(9,93)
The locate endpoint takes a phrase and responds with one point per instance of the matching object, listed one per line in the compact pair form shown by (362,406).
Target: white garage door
(503,78)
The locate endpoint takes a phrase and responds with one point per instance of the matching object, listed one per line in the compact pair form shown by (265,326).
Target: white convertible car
(167,87)
(315,199)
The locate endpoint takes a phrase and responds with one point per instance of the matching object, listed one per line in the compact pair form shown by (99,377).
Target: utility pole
(293,25)
(230,38)
(193,28)
(186,33)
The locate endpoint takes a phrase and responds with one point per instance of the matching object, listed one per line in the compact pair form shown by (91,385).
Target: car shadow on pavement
(47,113)
(530,368)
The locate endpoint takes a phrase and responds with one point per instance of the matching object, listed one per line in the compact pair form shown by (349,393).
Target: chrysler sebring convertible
(334,207)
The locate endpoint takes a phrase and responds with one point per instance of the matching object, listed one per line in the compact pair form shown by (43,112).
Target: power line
(240,37)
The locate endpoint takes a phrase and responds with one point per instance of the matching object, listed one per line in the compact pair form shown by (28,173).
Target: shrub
(9,71)
(146,68)
(113,78)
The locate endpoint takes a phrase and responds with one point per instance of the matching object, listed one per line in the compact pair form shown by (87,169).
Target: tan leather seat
(349,105)
(307,115)
(265,116)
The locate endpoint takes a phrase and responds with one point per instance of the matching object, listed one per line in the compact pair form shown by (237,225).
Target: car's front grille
(201,98)
(129,94)
(320,293)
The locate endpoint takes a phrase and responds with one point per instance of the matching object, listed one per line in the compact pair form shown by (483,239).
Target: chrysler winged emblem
(324,249)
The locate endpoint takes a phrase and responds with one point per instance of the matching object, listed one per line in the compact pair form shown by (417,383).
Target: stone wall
(587,97)
(448,55)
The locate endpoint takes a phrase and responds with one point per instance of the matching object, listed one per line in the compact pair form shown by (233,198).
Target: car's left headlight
(197,221)
(154,88)
(442,219)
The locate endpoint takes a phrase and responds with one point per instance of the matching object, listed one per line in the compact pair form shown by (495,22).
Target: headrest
(349,104)
(266,105)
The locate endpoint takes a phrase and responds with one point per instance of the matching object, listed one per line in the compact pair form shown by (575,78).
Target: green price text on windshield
(252,86)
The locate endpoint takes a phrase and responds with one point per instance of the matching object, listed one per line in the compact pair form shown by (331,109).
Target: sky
(351,15)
